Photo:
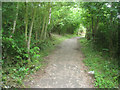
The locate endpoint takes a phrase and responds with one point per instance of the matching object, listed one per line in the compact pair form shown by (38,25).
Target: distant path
(65,69)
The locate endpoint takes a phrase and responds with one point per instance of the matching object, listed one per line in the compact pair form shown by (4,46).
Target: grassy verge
(105,68)
(13,75)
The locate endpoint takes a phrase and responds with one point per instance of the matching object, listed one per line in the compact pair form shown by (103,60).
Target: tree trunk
(111,33)
(26,22)
(43,28)
(30,33)
(96,27)
(49,15)
(88,35)
(92,29)
(45,33)
(47,22)
(49,34)
(14,24)
(36,35)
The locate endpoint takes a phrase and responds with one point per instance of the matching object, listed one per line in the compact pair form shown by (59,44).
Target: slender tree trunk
(26,22)
(92,29)
(14,24)
(47,22)
(49,15)
(43,28)
(30,33)
(96,27)
(111,33)
(49,34)
(88,35)
(46,28)
(36,35)
(97,22)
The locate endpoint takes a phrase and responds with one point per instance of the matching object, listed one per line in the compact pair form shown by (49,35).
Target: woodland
(29,33)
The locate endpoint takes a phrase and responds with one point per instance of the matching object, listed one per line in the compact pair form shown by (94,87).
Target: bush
(105,68)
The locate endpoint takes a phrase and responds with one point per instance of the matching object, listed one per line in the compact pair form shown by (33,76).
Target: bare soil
(65,69)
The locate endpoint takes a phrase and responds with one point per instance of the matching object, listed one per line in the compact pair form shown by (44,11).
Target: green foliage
(13,74)
(105,68)
(27,35)
(66,19)
(11,51)
(101,23)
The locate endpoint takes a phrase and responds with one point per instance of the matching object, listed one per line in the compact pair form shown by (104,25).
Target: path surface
(65,69)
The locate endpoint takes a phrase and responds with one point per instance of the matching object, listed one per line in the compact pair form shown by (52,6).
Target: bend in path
(65,69)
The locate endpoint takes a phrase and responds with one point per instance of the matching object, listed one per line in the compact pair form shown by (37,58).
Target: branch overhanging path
(65,68)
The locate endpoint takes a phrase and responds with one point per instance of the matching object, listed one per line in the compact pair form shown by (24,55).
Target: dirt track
(65,69)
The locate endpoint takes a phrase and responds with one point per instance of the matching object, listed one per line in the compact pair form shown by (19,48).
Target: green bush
(105,68)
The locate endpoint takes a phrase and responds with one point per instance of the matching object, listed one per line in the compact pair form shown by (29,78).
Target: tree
(30,32)
(14,24)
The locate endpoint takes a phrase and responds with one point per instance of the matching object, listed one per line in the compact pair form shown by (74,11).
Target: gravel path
(64,70)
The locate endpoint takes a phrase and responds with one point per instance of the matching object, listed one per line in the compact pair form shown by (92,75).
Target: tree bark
(26,22)
(96,27)
(111,33)
(92,29)
(49,34)
(43,28)
(47,22)
(88,35)
(36,35)
(45,33)
(49,15)
(14,24)
(30,33)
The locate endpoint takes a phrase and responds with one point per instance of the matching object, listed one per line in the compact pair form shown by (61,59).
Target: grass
(13,75)
(105,68)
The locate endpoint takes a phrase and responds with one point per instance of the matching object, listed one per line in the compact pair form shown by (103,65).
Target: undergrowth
(14,72)
(105,67)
